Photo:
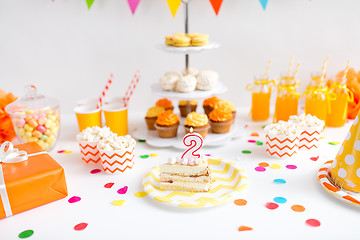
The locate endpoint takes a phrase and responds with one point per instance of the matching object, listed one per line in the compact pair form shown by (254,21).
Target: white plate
(188,50)
(220,88)
(228,182)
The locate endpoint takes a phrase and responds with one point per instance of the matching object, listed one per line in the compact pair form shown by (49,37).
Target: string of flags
(175,4)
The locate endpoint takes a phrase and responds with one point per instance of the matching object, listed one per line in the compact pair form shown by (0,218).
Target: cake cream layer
(165,177)
(185,170)
(186,186)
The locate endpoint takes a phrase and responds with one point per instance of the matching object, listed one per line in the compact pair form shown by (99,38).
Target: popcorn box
(28,178)
(89,151)
(282,146)
(310,137)
(118,161)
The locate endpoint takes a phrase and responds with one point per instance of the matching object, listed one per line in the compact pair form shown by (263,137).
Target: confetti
(280,200)
(144,156)
(260,169)
(240,202)
(322,137)
(154,155)
(74,199)
(255,134)
(271,205)
(279,181)
(141,140)
(313,222)
(244,228)
(118,202)
(334,143)
(67,152)
(291,167)
(251,141)
(109,185)
(314,158)
(96,170)
(61,151)
(141,194)
(263,164)
(26,234)
(275,166)
(207,155)
(122,190)
(297,208)
(245,126)
(259,143)
(246,152)
(80,226)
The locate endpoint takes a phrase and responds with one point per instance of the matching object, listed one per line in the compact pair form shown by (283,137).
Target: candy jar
(35,118)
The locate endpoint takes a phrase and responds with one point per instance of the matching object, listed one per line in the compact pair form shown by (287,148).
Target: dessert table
(140,217)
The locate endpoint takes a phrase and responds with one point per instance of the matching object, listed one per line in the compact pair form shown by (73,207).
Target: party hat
(345,170)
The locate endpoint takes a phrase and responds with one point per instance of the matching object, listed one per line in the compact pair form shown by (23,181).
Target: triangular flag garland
(173,5)
(89,3)
(133,5)
(216,4)
(264,3)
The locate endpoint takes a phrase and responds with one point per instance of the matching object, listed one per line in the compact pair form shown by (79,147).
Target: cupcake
(167,124)
(199,122)
(187,107)
(186,84)
(220,120)
(165,103)
(207,80)
(151,116)
(209,104)
(228,106)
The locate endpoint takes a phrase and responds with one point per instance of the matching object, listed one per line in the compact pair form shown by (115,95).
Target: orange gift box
(33,182)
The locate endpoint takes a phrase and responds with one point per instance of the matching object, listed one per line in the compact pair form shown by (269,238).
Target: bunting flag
(133,5)
(89,3)
(173,5)
(264,3)
(216,4)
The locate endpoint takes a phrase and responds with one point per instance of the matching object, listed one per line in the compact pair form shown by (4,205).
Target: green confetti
(144,156)
(26,234)
(141,140)
(246,151)
(263,126)
(259,143)
(334,143)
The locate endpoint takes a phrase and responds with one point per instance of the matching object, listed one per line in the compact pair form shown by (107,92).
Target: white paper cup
(89,151)
(281,146)
(119,161)
(310,138)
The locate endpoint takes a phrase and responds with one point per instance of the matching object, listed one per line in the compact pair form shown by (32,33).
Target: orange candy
(240,202)
(244,228)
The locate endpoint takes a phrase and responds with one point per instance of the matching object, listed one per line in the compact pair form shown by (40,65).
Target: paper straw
(346,70)
(103,93)
(291,65)
(268,68)
(297,69)
(131,87)
(324,69)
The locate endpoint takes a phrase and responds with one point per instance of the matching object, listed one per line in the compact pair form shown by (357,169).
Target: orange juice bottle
(260,103)
(287,98)
(317,98)
(339,106)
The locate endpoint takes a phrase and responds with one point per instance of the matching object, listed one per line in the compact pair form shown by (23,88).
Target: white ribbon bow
(11,155)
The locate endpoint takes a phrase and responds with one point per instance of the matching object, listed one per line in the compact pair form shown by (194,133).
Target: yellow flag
(173,5)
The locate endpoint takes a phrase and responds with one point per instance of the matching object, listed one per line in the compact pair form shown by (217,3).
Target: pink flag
(133,5)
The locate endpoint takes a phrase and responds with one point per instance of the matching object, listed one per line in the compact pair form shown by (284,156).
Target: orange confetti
(244,228)
(240,202)
(297,208)
(254,134)
(263,164)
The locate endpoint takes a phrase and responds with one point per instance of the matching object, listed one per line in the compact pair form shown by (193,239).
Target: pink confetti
(109,185)
(251,141)
(96,170)
(122,190)
(260,169)
(61,151)
(246,126)
(74,199)
(291,167)
(271,205)
(207,155)
(80,226)
(314,158)
(313,222)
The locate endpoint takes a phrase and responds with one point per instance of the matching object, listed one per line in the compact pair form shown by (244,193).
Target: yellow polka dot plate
(229,181)
(326,182)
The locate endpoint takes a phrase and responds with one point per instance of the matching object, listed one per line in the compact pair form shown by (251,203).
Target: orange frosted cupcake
(187,107)
(220,120)
(165,103)
(199,122)
(209,104)
(227,106)
(151,116)
(167,124)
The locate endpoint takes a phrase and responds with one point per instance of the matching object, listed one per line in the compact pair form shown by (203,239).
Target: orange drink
(260,103)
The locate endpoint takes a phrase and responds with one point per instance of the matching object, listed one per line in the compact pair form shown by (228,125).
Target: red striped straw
(103,93)
(131,87)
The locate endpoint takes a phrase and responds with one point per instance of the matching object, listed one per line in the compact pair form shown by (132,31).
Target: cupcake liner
(167,131)
(89,151)
(118,161)
(281,146)
(310,138)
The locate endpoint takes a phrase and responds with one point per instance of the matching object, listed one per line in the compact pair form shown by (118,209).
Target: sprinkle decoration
(251,141)
(96,170)
(141,140)
(314,158)
(207,155)
(263,164)
(260,169)
(271,205)
(246,151)
(141,194)
(280,200)
(122,190)
(80,226)
(297,208)
(313,222)
(334,143)
(26,234)
(275,166)
(259,143)
(74,199)
(144,156)
(255,134)
(154,155)
(291,167)
(279,181)
(67,152)
(244,228)
(109,185)
(118,202)
(61,151)
(240,202)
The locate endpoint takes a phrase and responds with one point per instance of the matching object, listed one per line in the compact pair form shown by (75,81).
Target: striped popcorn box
(117,161)
(282,146)
(310,137)
(89,151)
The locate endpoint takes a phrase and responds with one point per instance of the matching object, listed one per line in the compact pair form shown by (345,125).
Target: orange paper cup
(116,118)
(88,116)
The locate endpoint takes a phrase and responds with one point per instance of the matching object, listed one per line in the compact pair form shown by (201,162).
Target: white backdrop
(69,51)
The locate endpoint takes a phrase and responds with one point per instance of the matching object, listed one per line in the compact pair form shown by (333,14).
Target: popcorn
(93,134)
(113,143)
(307,121)
(283,128)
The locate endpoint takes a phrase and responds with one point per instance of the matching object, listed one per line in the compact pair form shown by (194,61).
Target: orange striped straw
(291,65)
(322,76)
(268,68)
(297,69)
(346,70)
